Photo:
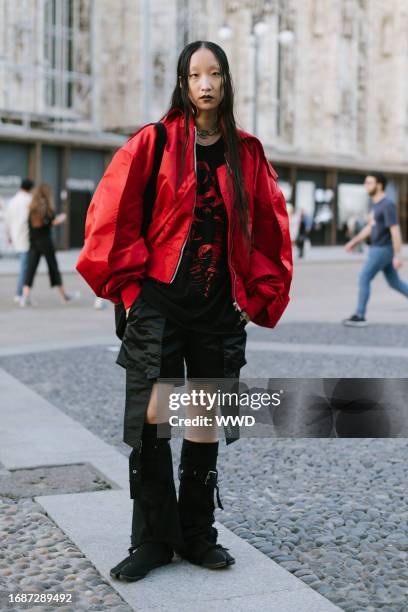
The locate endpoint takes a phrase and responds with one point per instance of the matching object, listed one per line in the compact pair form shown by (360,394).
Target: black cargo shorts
(155,347)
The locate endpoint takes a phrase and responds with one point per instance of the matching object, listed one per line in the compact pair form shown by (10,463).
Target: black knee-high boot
(198,481)
(156,528)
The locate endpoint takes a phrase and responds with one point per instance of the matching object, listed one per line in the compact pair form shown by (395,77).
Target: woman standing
(216,254)
(41,218)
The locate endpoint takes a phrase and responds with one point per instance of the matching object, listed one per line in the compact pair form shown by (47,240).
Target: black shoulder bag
(148,203)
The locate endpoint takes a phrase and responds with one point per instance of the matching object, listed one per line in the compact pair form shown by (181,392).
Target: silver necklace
(206,133)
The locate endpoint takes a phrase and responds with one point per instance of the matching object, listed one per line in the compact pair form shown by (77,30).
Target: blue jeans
(23,255)
(379,258)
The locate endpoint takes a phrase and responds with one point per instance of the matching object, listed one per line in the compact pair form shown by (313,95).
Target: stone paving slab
(254,583)
(51,480)
(35,433)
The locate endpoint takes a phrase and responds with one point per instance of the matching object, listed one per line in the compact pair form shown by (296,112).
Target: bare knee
(151,412)
(205,430)
(158,407)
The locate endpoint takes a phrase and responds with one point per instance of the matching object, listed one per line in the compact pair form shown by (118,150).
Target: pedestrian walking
(16,219)
(293,223)
(215,254)
(384,253)
(303,232)
(41,218)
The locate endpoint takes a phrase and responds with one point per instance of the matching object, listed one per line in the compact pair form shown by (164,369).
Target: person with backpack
(187,234)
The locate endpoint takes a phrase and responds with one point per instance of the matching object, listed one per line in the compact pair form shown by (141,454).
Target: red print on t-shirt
(205,242)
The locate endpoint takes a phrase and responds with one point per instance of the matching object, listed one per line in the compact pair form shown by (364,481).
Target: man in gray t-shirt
(383,217)
(385,246)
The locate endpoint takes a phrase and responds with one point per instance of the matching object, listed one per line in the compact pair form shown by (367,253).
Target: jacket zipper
(235,303)
(195,199)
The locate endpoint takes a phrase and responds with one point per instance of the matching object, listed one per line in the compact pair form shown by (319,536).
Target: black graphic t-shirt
(199,297)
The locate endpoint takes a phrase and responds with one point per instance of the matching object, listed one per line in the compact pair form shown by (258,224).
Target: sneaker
(69,297)
(17,299)
(142,560)
(355,321)
(25,301)
(100,304)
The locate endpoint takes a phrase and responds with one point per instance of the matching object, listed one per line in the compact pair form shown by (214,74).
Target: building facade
(50,127)
(322,83)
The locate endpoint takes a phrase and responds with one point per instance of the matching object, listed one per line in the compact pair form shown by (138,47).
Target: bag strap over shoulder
(150,191)
(148,203)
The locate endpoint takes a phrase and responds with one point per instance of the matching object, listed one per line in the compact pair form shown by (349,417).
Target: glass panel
(284,182)
(352,205)
(352,201)
(63,77)
(317,204)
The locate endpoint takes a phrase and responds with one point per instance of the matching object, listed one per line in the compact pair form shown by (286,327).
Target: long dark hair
(41,205)
(225,118)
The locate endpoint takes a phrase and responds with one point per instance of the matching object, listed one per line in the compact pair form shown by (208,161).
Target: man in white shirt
(17,227)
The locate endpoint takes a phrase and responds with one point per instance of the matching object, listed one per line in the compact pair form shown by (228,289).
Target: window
(66,27)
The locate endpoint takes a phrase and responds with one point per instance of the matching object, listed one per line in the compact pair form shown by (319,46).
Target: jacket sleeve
(113,258)
(271,263)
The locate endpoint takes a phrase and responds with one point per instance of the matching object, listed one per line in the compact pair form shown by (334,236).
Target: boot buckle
(212,476)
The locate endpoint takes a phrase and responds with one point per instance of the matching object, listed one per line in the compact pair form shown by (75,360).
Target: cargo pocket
(122,358)
(142,350)
(142,343)
(138,392)
(234,353)
(234,359)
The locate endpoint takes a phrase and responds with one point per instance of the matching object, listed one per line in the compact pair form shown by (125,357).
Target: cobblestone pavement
(332,511)
(334,333)
(37,557)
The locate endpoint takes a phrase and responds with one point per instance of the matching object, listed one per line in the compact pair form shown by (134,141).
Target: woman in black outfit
(215,254)
(41,218)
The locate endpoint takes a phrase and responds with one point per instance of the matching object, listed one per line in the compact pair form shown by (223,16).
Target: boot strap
(135,462)
(208,477)
(135,471)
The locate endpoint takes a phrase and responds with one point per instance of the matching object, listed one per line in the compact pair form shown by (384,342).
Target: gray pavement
(324,290)
(67,259)
(98,525)
(331,512)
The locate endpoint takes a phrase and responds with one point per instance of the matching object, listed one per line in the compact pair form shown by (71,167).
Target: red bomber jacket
(115,257)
